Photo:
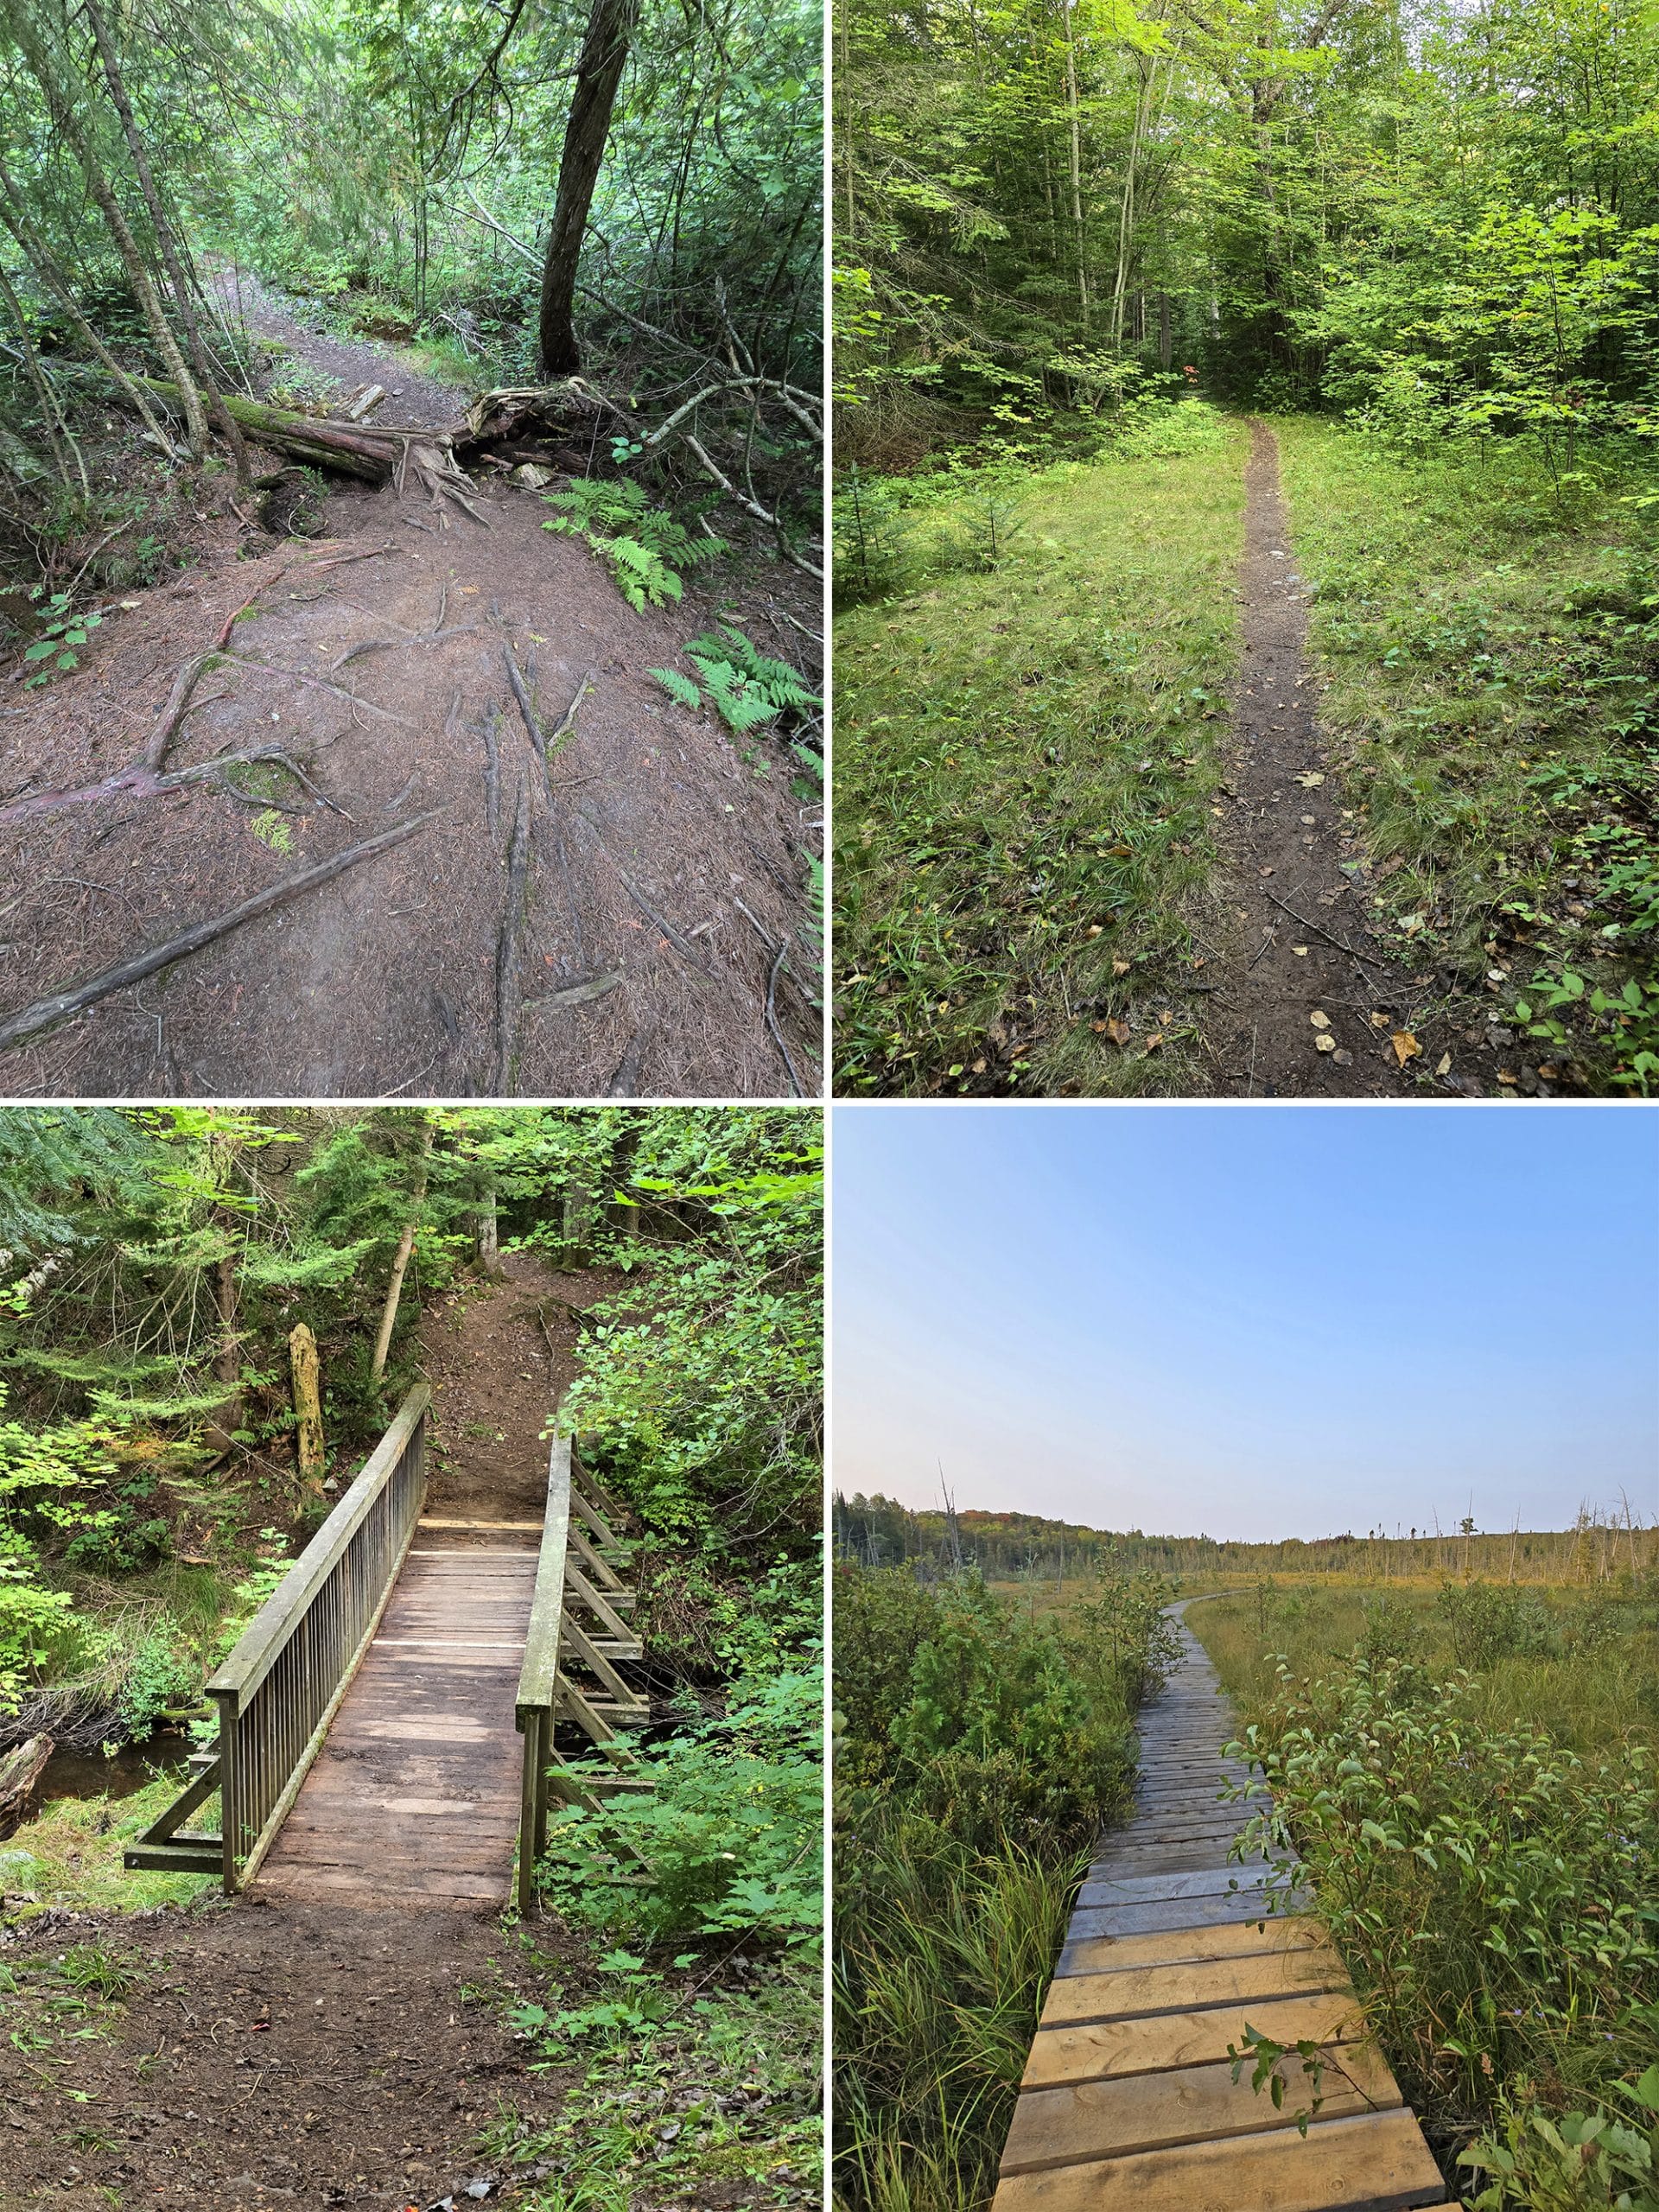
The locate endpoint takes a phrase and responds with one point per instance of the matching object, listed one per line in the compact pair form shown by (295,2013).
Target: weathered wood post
(307,1411)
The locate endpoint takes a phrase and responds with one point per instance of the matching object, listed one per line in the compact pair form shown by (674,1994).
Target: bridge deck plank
(414,1797)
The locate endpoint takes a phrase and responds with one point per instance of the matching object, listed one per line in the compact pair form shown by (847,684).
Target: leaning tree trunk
(604,55)
(126,246)
(165,240)
(400,1261)
(51,274)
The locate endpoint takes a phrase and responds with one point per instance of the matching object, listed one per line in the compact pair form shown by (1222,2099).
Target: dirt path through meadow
(1310,1007)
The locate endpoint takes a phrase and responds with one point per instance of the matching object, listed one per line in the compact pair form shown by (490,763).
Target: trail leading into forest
(285,2048)
(1311,1006)
(596,909)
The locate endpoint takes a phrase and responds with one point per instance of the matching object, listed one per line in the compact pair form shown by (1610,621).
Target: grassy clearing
(1024,759)
(1584,1664)
(1492,662)
(1469,1778)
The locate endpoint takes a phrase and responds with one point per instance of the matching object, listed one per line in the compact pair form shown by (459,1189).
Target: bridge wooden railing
(282,1686)
(571,1671)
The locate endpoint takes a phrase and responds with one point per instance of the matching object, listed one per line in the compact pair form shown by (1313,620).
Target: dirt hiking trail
(281,2048)
(602,918)
(1310,1006)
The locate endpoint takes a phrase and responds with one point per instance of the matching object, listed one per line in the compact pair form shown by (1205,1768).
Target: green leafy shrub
(730,1829)
(1582,2162)
(1491,1893)
(1486,1623)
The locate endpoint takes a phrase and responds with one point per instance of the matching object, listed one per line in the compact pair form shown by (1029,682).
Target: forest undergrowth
(1468,1776)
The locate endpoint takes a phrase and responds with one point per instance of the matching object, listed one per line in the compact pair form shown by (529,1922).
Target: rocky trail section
(1312,1006)
(568,884)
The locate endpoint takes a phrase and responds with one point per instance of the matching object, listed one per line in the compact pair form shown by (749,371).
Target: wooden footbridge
(387,1723)
(1128,2099)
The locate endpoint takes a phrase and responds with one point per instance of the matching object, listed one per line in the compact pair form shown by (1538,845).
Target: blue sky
(1249,1321)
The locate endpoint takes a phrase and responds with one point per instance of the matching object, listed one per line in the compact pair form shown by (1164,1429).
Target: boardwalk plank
(1378,2163)
(1064,2126)
(1165,2041)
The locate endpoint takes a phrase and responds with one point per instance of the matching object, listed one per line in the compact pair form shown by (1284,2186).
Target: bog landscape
(1143,1766)
(1245,496)
(410,465)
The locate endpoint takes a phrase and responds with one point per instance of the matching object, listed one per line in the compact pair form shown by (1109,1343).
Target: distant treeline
(878,1531)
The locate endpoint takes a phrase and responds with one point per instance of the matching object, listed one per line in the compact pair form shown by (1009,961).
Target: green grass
(1492,676)
(70,1856)
(1593,1678)
(1024,760)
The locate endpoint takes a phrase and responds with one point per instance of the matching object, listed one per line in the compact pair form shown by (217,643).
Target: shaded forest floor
(575,932)
(1115,817)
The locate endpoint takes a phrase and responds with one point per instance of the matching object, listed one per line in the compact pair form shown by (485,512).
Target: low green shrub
(729,1830)
(1492,1894)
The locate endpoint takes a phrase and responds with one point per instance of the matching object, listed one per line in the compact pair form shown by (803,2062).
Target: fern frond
(679,687)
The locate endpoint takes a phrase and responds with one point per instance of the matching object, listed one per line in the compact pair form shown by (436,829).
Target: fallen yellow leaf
(1406,1046)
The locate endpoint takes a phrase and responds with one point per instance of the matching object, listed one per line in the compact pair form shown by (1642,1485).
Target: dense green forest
(157,1264)
(515,191)
(1076,246)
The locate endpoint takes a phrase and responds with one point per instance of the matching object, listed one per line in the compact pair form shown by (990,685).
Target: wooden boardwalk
(1128,2099)
(414,1797)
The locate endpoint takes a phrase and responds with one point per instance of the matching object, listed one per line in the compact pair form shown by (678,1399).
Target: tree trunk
(164,238)
(126,246)
(308,1412)
(1165,346)
(228,1352)
(604,55)
(489,1233)
(51,274)
(400,1261)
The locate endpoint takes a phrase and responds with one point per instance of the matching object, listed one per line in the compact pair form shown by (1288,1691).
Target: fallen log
(311,438)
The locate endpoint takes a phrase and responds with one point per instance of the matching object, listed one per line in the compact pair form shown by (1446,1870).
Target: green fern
(644,547)
(679,687)
(746,687)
